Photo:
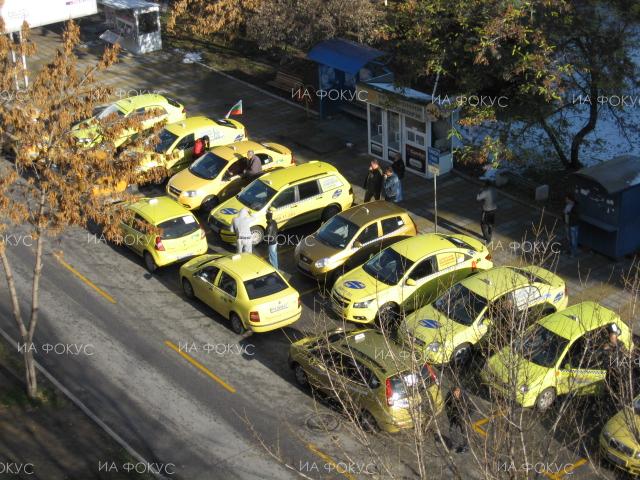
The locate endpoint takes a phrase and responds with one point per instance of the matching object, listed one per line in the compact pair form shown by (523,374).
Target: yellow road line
(83,278)
(200,367)
(566,470)
(476,425)
(329,461)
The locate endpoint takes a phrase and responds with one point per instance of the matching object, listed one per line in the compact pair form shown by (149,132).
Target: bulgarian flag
(235,110)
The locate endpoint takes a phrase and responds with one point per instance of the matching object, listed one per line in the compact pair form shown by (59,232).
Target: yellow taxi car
(244,289)
(620,440)
(151,108)
(405,276)
(372,376)
(350,238)
(174,150)
(297,195)
(162,232)
(218,174)
(559,354)
(448,329)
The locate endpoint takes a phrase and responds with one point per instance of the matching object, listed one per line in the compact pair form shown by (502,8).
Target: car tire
(461,355)
(301,376)
(545,399)
(388,316)
(149,262)
(368,422)
(257,235)
(187,288)
(548,311)
(209,203)
(329,212)
(236,324)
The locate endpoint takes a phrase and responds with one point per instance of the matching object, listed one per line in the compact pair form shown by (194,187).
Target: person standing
(571,222)
(391,185)
(456,408)
(254,165)
(198,147)
(241,226)
(271,235)
(399,169)
(373,182)
(488,196)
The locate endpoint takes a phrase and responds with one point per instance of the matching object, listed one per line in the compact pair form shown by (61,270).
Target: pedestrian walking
(254,165)
(373,182)
(571,222)
(271,236)
(399,169)
(488,196)
(241,226)
(391,185)
(456,407)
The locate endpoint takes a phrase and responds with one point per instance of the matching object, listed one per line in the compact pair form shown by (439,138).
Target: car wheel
(301,376)
(209,203)
(368,422)
(548,311)
(461,355)
(389,316)
(149,262)
(546,399)
(257,235)
(187,289)
(329,212)
(236,324)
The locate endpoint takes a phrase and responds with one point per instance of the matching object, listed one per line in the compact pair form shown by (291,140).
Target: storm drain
(322,422)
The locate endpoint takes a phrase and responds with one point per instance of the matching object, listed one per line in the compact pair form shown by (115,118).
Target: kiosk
(133,24)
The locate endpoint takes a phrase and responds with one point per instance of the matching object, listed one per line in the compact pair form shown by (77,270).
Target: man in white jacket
(241,226)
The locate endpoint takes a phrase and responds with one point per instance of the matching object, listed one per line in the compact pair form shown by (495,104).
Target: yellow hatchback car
(153,108)
(350,238)
(620,439)
(369,374)
(244,289)
(405,276)
(218,174)
(447,330)
(174,150)
(163,232)
(302,194)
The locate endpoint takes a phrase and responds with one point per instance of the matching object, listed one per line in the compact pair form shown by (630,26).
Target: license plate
(279,307)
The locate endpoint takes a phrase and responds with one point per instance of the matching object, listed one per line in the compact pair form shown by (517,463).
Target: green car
(560,354)
(375,377)
(447,330)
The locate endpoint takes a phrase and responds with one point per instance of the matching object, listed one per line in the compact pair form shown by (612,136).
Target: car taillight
(202,233)
(254,317)
(432,374)
(159,245)
(389,393)
(474,264)
(488,257)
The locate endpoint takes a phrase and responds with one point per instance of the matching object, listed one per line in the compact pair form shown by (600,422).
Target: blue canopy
(343,55)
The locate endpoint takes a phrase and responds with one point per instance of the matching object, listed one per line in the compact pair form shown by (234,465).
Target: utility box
(608,196)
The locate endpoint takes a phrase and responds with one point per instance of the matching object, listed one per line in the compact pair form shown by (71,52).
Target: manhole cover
(323,422)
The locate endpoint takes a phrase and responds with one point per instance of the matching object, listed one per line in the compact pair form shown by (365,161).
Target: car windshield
(265,285)
(388,266)
(460,304)
(208,166)
(110,110)
(166,140)
(178,227)
(542,347)
(337,232)
(256,195)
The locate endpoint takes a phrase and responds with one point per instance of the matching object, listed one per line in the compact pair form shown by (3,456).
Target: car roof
(188,125)
(245,265)
(239,148)
(371,348)
(139,101)
(576,320)
(367,212)
(416,248)
(285,176)
(158,209)
(496,281)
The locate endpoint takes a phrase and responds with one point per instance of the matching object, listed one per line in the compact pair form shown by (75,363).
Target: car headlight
(524,388)
(434,347)
(191,193)
(84,141)
(323,262)
(363,304)
(607,435)
(637,455)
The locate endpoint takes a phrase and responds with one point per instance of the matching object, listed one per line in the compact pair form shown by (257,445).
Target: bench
(538,192)
(286,81)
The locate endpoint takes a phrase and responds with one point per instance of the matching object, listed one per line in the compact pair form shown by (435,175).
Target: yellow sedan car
(405,276)
(619,439)
(162,232)
(244,289)
(218,174)
(151,108)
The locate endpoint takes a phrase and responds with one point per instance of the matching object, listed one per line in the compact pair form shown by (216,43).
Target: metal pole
(24,63)
(13,59)
(435,203)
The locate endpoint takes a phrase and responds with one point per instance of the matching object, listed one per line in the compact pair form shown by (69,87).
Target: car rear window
(178,227)
(172,102)
(460,243)
(532,277)
(408,381)
(225,123)
(265,285)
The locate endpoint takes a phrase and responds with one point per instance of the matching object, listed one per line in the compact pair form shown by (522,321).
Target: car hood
(505,363)
(315,250)
(622,425)
(228,210)
(358,284)
(430,325)
(185,180)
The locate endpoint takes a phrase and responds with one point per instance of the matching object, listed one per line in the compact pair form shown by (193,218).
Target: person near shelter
(399,169)
(271,236)
(241,226)
(488,196)
(571,222)
(254,165)
(373,181)
(391,185)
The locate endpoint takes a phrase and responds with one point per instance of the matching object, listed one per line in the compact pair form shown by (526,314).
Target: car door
(580,371)
(286,208)
(365,244)
(182,154)
(310,202)
(357,385)
(231,179)
(418,285)
(136,236)
(203,284)
(225,293)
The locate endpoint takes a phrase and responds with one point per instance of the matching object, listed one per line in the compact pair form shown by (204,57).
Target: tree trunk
(555,142)
(588,128)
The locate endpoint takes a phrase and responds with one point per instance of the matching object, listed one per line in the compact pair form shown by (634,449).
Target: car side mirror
(566,366)
(410,282)
(357,244)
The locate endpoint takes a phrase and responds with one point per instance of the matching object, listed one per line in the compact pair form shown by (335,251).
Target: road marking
(567,470)
(329,461)
(83,278)
(477,425)
(200,367)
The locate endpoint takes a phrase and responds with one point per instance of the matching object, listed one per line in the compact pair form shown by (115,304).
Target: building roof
(615,175)
(343,55)
(405,92)
(130,4)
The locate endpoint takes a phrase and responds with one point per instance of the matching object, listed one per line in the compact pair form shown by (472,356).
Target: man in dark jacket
(456,406)
(398,169)
(572,222)
(373,182)
(254,165)
(271,236)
